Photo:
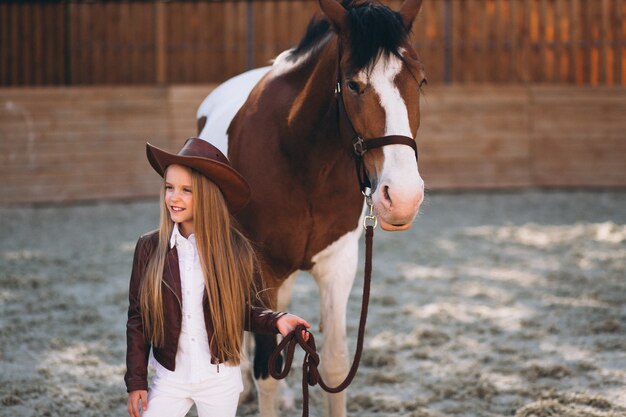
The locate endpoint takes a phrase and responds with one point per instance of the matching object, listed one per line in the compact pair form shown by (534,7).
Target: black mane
(374,29)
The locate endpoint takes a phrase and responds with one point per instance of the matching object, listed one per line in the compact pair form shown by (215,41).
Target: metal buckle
(359,146)
(370,219)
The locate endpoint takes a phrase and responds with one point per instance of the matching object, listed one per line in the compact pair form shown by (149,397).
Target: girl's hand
(287,323)
(133,402)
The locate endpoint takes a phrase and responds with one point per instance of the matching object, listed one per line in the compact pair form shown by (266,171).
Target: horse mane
(374,29)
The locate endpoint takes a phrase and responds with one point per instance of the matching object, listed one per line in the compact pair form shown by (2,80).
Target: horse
(288,129)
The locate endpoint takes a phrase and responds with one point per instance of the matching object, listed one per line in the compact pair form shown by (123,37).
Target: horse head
(380,76)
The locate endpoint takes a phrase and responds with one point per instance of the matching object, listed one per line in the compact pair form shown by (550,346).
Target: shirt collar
(177,237)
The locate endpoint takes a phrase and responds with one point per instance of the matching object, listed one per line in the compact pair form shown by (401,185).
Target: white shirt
(193,357)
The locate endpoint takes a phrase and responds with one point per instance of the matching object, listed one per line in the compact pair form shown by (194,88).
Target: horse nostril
(386,193)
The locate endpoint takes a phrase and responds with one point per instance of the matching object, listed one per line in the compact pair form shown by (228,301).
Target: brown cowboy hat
(205,158)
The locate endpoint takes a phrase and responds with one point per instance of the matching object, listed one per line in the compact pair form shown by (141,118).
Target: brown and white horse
(281,128)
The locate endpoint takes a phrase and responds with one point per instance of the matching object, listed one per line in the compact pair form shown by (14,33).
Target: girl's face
(179,197)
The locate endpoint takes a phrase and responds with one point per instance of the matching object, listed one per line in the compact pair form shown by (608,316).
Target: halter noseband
(360,145)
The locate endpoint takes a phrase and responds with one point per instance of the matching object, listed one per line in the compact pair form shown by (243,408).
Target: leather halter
(361,145)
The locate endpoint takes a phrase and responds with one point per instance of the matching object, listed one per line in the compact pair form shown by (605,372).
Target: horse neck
(316,151)
(313,114)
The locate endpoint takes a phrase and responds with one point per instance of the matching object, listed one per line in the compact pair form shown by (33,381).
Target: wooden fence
(84,143)
(580,42)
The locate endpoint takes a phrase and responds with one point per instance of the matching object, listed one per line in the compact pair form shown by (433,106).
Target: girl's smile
(179,197)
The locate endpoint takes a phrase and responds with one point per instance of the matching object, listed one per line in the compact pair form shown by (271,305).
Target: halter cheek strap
(360,145)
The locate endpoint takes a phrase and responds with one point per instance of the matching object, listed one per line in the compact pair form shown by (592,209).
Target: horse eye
(423,82)
(354,86)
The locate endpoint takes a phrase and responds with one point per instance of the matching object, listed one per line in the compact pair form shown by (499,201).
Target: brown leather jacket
(259,320)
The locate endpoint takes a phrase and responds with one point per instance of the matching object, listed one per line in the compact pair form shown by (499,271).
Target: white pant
(216,397)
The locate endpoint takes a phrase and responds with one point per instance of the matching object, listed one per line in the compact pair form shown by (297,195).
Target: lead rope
(310,373)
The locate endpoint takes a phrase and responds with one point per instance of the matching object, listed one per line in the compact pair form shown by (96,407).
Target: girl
(189,297)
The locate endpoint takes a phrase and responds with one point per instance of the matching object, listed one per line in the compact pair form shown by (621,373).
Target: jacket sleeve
(262,320)
(137,345)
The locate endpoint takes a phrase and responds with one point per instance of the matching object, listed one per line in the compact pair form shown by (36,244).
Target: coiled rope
(310,373)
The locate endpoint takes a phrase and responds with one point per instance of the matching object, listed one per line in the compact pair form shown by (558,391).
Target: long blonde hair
(227,260)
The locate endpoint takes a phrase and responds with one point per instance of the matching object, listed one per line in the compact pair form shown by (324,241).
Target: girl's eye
(354,86)
(168,187)
(187,190)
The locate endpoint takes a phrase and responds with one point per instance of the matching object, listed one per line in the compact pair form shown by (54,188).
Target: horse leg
(267,387)
(247,395)
(334,271)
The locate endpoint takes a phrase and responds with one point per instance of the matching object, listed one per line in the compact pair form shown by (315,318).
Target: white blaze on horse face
(400,189)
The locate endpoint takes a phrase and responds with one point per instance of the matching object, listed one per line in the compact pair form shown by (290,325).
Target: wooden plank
(241,36)
(83,69)
(500,49)
(203,37)
(172,22)
(113,68)
(74,40)
(230,59)
(185,23)
(524,60)
(575,67)
(15,45)
(594,20)
(586,23)
(459,39)
(121,48)
(270,31)
(550,26)
(49,38)
(485,52)
(475,136)
(62,53)
(26,43)
(283,41)
(535,48)
(98,18)
(218,67)
(259,32)
(604,42)
(433,52)
(513,40)
(560,28)
(543,40)
(474,38)
(5,30)
(619,28)
(584,127)
(147,55)
(573,41)
(37,45)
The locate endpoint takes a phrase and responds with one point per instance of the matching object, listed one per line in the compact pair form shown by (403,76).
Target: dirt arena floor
(493,304)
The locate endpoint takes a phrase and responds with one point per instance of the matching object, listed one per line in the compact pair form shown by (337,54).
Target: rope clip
(370,219)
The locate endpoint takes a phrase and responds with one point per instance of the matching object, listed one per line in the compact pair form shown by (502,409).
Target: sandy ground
(505,304)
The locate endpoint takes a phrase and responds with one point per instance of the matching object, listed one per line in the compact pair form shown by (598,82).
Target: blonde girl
(190,296)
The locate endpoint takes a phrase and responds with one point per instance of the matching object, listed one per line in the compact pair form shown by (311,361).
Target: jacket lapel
(171,273)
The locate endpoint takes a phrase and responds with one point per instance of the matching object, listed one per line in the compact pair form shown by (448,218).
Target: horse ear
(409,11)
(335,12)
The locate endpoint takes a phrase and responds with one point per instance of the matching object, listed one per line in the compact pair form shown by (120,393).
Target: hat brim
(233,186)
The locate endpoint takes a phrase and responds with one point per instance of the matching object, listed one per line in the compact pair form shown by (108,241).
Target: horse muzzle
(396,207)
